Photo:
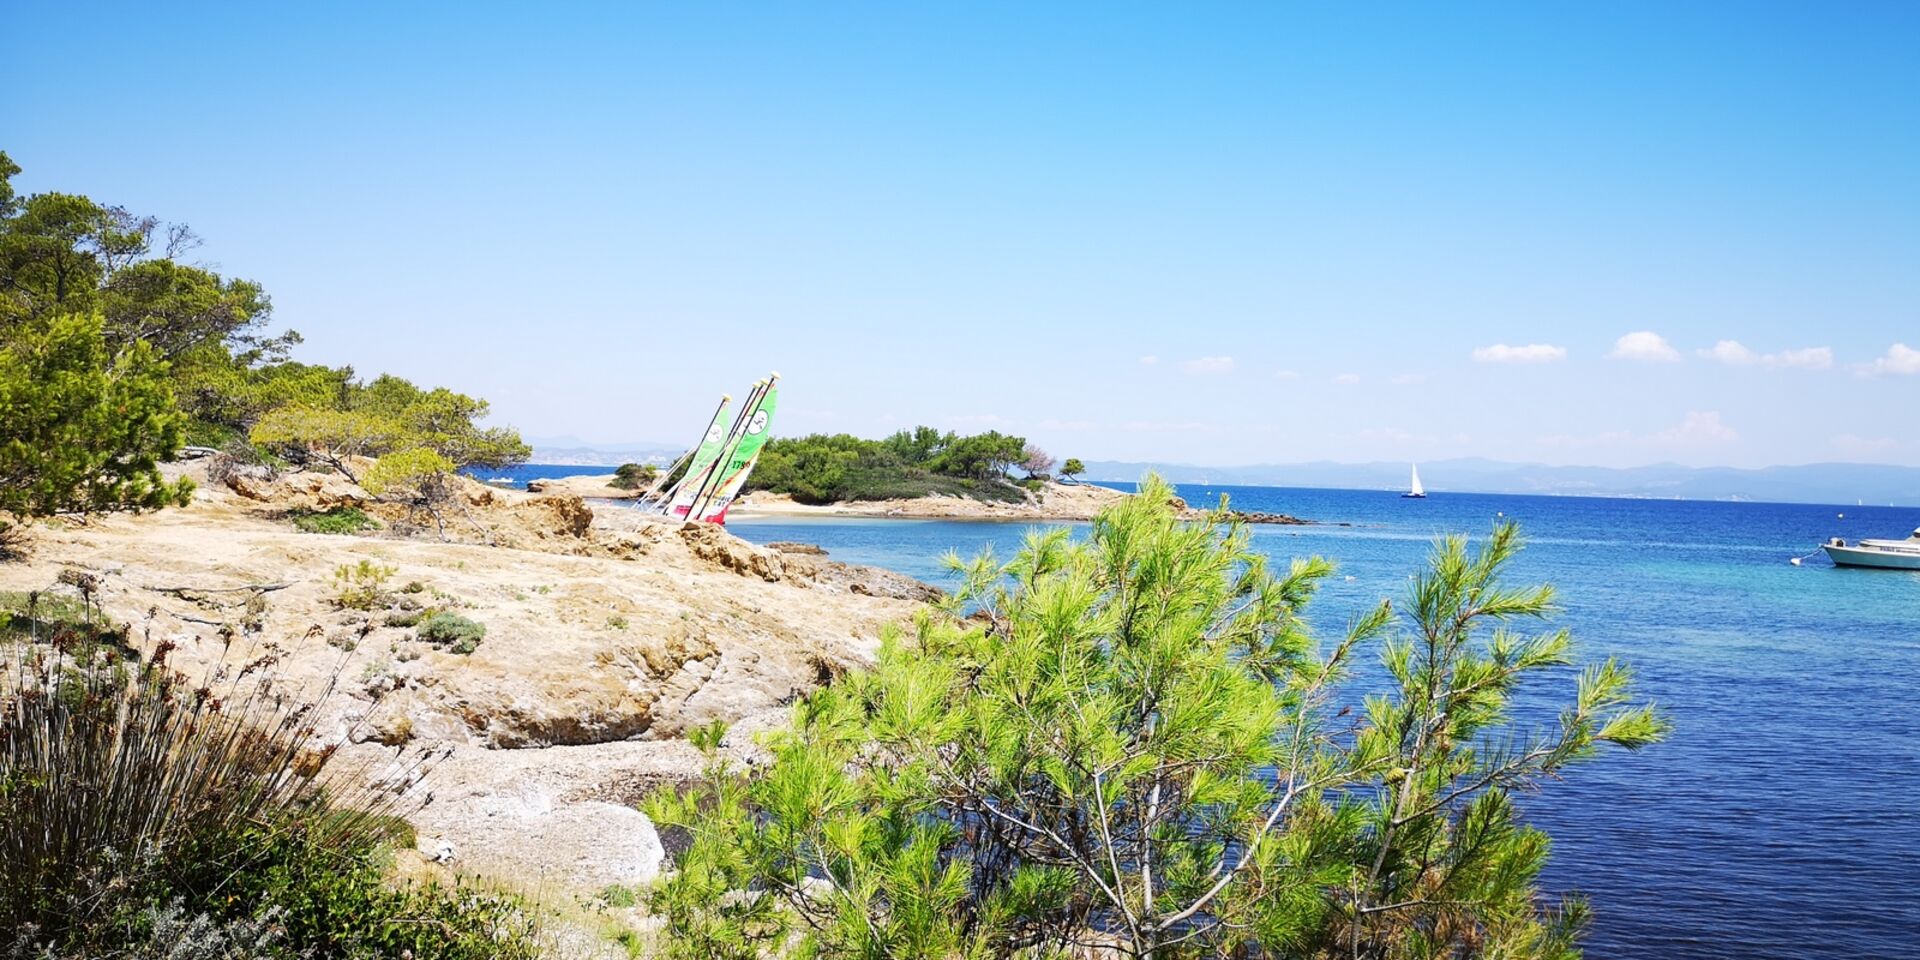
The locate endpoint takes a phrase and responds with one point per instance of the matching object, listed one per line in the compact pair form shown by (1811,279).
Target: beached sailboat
(1883,554)
(1414,490)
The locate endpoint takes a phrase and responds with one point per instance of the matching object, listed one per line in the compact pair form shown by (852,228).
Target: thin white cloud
(1347,379)
(976,420)
(1170,426)
(1698,428)
(1530,353)
(1149,360)
(1899,359)
(1853,445)
(1208,366)
(1737,354)
(1286,374)
(1644,345)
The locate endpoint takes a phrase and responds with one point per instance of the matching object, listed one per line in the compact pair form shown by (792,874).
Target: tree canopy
(824,468)
(185,338)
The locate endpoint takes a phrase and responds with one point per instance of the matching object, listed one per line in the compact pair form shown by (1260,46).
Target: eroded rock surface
(607,637)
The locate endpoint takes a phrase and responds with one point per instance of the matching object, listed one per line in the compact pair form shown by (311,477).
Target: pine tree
(83,428)
(1135,743)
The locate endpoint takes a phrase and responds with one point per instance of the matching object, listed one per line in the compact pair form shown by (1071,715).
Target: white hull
(1896,559)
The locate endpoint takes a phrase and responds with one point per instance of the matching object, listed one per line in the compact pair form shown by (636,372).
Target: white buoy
(1795,561)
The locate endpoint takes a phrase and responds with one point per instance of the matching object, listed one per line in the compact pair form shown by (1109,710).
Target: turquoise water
(1783,818)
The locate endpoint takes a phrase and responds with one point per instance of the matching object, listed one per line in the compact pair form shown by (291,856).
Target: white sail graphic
(1414,489)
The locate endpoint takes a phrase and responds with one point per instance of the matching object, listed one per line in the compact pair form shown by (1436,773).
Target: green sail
(704,457)
(740,460)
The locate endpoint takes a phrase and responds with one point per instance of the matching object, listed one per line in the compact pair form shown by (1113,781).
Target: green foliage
(1137,738)
(1072,468)
(407,474)
(336,520)
(633,476)
(451,630)
(148,814)
(66,254)
(911,463)
(386,418)
(83,427)
(362,585)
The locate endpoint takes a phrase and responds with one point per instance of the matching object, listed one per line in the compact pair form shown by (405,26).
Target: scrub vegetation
(148,814)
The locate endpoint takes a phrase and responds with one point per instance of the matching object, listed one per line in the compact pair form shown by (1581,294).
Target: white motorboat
(1885,554)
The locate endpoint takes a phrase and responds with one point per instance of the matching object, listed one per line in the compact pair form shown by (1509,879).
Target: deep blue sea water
(1782,820)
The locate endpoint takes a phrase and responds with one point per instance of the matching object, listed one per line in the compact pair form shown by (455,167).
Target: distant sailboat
(1415,491)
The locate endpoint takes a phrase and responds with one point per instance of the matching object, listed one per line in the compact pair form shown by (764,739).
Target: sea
(1782,818)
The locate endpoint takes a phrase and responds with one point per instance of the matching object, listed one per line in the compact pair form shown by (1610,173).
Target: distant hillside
(573,451)
(1839,483)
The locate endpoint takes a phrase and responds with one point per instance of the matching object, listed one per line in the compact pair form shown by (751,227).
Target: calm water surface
(1783,818)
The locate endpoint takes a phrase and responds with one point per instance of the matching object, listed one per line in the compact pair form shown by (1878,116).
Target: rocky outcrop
(598,487)
(607,637)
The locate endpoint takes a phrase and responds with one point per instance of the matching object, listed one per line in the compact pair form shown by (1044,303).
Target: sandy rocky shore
(609,635)
(1055,501)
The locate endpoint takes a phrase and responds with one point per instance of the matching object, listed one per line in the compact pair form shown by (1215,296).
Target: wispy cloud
(1698,428)
(1170,426)
(1530,353)
(1735,353)
(1286,374)
(1644,345)
(1149,360)
(1347,379)
(1899,359)
(1853,445)
(1208,366)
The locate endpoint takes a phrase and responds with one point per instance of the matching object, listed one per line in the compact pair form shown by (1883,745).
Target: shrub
(362,585)
(633,476)
(151,815)
(453,631)
(337,520)
(1133,740)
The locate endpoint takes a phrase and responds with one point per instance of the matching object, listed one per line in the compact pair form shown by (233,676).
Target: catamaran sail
(1415,490)
(740,460)
(700,468)
(696,490)
(659,490)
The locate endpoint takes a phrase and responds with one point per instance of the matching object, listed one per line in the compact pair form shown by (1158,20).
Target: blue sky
(1217,234)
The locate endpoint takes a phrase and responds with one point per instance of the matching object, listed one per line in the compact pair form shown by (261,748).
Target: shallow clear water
(1783,818)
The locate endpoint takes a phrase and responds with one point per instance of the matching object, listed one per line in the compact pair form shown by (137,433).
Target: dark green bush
(336,520)
(451,630)
(911,463)
(633,476)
